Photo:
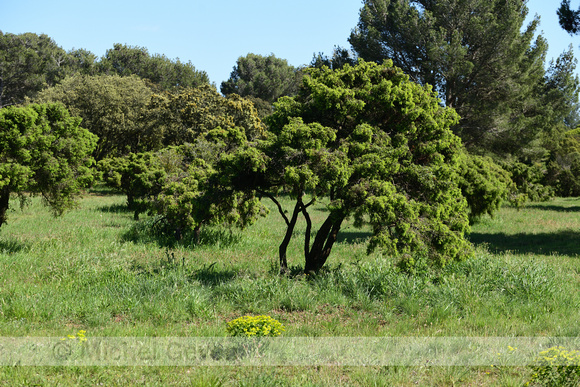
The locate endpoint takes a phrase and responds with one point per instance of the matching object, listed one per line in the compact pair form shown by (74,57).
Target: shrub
(563,167)
(528,180)
(255,326)
(484,184)
(556,366)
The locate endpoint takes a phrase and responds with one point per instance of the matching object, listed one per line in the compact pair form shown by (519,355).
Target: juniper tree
(43,151)
(201,175)
(380,149)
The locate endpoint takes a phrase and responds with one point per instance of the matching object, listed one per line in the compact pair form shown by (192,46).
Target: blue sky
(213,34)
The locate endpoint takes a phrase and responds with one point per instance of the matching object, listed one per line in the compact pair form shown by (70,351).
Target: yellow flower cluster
(255,326)
(556,366)
(560,356)
(80,336)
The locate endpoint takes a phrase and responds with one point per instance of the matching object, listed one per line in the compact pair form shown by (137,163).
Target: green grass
(98,270)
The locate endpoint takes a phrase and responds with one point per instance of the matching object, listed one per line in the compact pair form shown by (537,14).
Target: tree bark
(197,233)
(325,238)
(4,203)
(289,230)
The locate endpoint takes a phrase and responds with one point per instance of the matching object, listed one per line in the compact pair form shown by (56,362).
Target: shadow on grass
(103,190)
(152,231)
(115,208)
(565,242)
(11,246)
(353,237)
(209,276)
(554,208)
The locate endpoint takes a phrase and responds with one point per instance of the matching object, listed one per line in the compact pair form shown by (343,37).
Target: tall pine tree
(568,18)
(474,53)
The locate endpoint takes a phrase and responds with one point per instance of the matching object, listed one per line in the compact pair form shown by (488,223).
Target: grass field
(95,269)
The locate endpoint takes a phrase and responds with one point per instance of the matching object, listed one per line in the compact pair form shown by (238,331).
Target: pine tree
(475,55)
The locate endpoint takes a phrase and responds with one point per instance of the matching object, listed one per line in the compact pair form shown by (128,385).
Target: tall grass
(98,270)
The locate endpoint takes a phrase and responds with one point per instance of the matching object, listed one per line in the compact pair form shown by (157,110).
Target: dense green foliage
(560,93)
(140,176)
(380,148)
(28,63)
(564,165)
(264,77)
(162,72)
(568,18)
(485,185)
(184,116)
(43,151)
(477,56)
(203,192)
(201,176)
(82,61)
(112,107)
(528,181)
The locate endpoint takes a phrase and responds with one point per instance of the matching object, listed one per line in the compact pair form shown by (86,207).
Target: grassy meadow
(96,269)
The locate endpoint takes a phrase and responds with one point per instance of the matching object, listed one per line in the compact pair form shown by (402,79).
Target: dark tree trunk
(132,206)
(325,238)
(289,230)
(178,234)
(4,202)
(197,233)
(1,93)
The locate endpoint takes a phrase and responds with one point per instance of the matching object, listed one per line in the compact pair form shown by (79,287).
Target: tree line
(32,62)
(438,113)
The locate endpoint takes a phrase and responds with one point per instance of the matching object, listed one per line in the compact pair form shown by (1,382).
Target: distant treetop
(30,63)
(569,19)
(265,77)
(163,72)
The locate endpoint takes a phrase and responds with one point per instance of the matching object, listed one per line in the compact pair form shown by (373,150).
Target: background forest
(169,140)
(406,156)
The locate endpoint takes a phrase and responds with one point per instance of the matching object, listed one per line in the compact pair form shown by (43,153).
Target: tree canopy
(112,107)
(166,74)
(340,57)
(83,62)
(264,77)
(185,116)
(201,176)
(379,148)
(474,53)
(564,165)
(43,150)
(31,62)
(140,176)
(568,18)
(28,63)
